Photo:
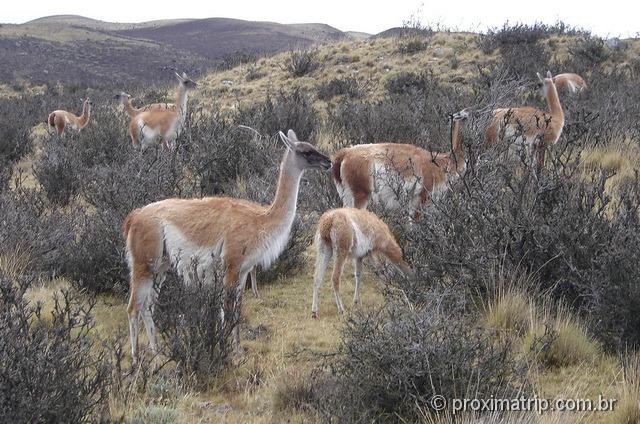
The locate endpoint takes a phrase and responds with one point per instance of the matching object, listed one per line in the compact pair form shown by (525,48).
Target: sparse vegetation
(349,87)
(522,284)
(301,62)
(51,367)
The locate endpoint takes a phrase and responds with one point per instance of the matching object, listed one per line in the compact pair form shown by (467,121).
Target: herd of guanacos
(192,234)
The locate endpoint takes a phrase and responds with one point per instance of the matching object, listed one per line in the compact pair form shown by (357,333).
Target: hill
(70,48)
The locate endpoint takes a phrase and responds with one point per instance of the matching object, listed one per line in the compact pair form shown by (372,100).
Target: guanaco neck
(283,208)
(86,114)
(128,107)
(553,102)
(181,101)
(457,153)
(455,137)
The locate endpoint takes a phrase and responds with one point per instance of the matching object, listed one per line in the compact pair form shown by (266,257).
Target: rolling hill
(71,48)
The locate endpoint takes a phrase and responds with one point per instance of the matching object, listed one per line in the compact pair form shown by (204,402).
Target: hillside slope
(70,48)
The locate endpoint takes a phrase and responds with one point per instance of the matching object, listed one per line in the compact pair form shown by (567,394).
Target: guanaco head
(463,115)
(185,81)
(546,83)
(87,103)
(122,96)
(306,156)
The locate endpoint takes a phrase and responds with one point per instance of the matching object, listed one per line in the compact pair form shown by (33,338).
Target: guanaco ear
(462,115)
(540,77)
(292,136)
(549,75)
(286,140)
(184,75)
(178,76)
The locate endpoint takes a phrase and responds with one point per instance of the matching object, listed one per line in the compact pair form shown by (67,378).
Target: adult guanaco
(184,232)
(61,120)
(160,125)
(528,127)
(379,172)
(356,233)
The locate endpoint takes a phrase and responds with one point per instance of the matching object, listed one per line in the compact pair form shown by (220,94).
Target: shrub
(56,173)
(339,87)
(392,363)
(524,59)
(220,154)
(197,338)
(412,44)
(51,369)
(29,226)
(410,83)
(521,46)
(556,228)
(414,37)
(416,112)
(301,62)
(281,112)
(589,52)
(253,73)
(15,133)
(521,34)
(236,58)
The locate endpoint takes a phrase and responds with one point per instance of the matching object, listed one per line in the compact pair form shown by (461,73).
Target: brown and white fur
(374,171)
(573,83)
(131,111)
(181,232)
(528,127)
(61,120)
(160,125)
(356,233)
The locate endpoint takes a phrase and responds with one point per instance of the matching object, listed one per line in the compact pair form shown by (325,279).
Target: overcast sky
(610,18)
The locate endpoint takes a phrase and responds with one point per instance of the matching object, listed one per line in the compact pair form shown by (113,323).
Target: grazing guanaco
(374,171)
(574,83)
(131,111)
(184,232)
(351,232)
(529,127)
(61,120)
(160,125)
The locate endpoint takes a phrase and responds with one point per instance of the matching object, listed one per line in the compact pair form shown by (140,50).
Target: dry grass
(272,382)
(508,307)
(557,339)
(370,61)
(627,409)
(14,263)
(281,340)
(618,156)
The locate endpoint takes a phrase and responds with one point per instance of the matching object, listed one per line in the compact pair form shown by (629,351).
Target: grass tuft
(559,340)
(294,392)
(156,414)
(627,409)
(508,306)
